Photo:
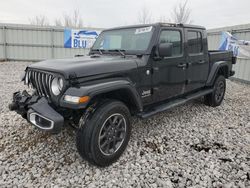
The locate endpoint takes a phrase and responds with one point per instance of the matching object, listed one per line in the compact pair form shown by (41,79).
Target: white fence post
(52,44)
(5,57)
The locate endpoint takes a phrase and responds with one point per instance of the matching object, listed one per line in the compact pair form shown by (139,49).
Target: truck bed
(217,55)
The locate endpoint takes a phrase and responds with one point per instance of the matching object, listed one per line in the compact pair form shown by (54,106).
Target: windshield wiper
(120,51)
(99,50)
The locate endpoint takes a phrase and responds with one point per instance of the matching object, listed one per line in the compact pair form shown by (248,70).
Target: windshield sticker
(143,30)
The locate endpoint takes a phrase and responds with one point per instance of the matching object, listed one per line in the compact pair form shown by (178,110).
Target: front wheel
(105,134)
(216,97)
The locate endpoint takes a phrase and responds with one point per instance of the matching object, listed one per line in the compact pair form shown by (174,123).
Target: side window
(194,42)
(174,37)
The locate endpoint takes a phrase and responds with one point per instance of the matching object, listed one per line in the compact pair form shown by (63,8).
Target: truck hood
(87,66)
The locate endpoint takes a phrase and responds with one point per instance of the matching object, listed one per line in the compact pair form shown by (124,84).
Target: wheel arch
(122,90)
(219,68)
(123,94)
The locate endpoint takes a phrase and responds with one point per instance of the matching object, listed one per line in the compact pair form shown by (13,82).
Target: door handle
(201,62)
(182,65)
(155,69)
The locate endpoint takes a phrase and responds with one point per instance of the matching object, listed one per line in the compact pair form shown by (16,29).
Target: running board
(174,103)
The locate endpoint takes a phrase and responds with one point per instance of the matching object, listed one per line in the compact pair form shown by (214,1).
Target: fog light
(76,100)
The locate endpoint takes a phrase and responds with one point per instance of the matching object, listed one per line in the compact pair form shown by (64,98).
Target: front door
(169,73)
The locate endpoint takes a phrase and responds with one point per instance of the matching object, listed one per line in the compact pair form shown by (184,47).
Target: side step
(174,103)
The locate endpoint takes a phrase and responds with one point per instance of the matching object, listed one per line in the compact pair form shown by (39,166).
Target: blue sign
(74,38)
(240,48)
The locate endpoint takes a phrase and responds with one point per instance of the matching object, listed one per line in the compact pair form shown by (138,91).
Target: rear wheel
(216,97)
(105,134)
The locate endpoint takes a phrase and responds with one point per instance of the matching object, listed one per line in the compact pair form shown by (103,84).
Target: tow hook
(21,101)
(13,106)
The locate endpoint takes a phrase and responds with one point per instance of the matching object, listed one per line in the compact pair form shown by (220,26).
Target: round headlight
(57,86)
(60,82)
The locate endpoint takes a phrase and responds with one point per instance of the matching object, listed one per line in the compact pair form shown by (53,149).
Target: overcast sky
(110,13)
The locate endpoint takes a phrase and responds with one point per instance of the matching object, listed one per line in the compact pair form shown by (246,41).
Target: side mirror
(165,49)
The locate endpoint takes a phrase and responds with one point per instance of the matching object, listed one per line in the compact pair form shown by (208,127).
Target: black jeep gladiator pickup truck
(130,71)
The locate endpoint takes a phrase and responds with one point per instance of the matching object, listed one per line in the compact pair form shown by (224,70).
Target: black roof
(159,24)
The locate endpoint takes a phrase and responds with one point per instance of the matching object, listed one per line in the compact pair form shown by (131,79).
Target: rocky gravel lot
(189,146)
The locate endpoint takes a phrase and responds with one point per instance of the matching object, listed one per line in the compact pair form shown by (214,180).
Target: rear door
(198,65)
(169,73)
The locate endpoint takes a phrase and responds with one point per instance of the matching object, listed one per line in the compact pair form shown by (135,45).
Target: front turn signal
(84,99)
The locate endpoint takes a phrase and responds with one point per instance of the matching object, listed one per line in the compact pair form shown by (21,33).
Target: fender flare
(101,88)
(214,71)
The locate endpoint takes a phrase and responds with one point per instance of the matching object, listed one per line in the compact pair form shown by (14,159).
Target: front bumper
(37,111)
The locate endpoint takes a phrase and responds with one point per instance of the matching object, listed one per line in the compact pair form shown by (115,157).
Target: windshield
(130,39)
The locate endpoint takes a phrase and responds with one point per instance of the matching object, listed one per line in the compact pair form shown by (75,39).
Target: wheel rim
(219,92)
(112,134)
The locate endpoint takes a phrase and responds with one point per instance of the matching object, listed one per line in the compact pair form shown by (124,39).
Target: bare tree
(40,20)
(163,19)
(181,13)
(75,20)
(144,16)
(58,22)
(67,20)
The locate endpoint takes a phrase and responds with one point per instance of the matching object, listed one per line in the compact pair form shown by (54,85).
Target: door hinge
(187,82)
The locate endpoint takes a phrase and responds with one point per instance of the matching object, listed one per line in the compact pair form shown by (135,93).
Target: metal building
(33,43)
(242,32)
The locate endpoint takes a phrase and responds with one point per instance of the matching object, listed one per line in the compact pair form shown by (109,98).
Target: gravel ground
(189,146)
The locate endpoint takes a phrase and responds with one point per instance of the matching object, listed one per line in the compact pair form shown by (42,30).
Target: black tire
(103,137)
(216,97)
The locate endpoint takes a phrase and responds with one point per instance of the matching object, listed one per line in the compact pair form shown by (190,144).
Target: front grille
(40,81)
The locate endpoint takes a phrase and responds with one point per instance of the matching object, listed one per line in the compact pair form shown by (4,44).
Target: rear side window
(174,37)
(194,42)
